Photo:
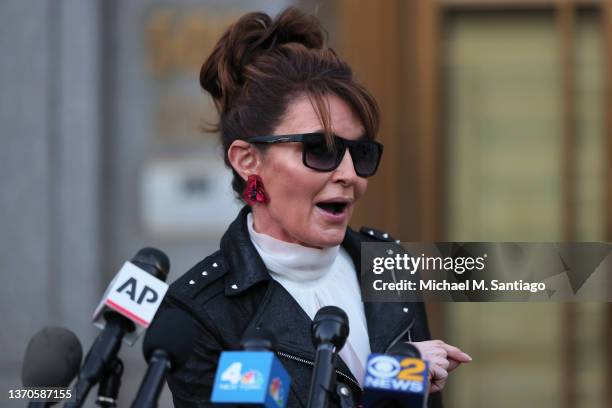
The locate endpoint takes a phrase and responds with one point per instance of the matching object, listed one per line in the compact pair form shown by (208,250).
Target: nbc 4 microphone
(166,347)
(254,377)
(125,311)
(52,359)
(398,379)
(330,329)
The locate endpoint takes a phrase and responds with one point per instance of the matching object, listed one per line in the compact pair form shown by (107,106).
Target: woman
(298,133)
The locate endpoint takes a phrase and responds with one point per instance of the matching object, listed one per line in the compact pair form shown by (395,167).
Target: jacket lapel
(283,316)
(386,320)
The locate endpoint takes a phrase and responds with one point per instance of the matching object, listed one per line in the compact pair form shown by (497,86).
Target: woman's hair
(260,65)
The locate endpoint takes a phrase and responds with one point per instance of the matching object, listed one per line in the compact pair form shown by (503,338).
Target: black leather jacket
(231,291)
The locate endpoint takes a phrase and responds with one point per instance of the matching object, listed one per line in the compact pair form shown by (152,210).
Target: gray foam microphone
(52,358)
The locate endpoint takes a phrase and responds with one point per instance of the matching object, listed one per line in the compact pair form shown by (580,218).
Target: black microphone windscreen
(52,358)
(258,340)
(153,261)
(405,350)
(173,331)
(330,324)
(331,313)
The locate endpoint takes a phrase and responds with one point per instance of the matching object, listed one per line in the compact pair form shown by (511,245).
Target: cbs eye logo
(384,367)
(409,369)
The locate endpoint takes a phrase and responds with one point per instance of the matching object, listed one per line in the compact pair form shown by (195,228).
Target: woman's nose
(346,170)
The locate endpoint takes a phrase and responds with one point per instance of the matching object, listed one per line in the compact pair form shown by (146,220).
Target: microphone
(254,377)
(398,379)
(330,329)
(110,382)
(125,311)
(52,359)
(258,340)
(166,346)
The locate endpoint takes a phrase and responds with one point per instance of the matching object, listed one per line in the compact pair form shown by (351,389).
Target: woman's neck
(291,260)
(264,223)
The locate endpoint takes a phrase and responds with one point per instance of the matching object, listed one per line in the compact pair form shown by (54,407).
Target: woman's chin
(330,228)
(328,237)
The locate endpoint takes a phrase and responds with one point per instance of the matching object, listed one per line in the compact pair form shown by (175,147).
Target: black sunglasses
(317,155)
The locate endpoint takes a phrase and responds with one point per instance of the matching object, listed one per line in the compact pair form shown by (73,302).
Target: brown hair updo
(259,65)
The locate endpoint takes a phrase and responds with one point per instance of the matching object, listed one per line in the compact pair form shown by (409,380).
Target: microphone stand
(154,380)
(103,351)
(108,390)
(329,330)
(344,396)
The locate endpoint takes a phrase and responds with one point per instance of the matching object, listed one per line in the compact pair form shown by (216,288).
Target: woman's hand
(443,358)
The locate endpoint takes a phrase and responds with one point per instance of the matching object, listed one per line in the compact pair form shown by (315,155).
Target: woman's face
(299,209)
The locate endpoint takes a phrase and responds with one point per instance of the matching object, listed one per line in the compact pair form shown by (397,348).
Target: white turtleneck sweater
(317,278)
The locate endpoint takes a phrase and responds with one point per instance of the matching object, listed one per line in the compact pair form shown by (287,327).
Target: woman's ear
(244,158)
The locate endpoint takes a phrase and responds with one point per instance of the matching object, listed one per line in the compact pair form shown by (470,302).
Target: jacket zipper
(340,373)
(396,339)
(311,363)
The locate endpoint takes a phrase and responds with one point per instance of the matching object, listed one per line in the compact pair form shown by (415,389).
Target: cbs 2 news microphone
(398,379)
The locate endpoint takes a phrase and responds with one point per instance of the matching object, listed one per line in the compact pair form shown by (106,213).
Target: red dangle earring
(254,191)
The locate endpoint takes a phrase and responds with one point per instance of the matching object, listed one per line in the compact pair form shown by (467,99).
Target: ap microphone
(52,359)
(166,346)
(254,377)
(398,379)
(330,329)
(126,309)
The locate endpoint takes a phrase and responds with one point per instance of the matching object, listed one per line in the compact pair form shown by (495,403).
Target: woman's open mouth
(333,207)
(335,211)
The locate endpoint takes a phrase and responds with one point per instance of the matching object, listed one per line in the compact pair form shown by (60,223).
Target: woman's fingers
(452,364)
(438,377)
(443,358)
(441,349)
(441,362)
(438,351)
(455,353)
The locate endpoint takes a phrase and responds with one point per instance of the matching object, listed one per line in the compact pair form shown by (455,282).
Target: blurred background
(497,125)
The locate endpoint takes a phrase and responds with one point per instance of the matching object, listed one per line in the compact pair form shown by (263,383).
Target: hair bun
(294,26)
(252,35)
